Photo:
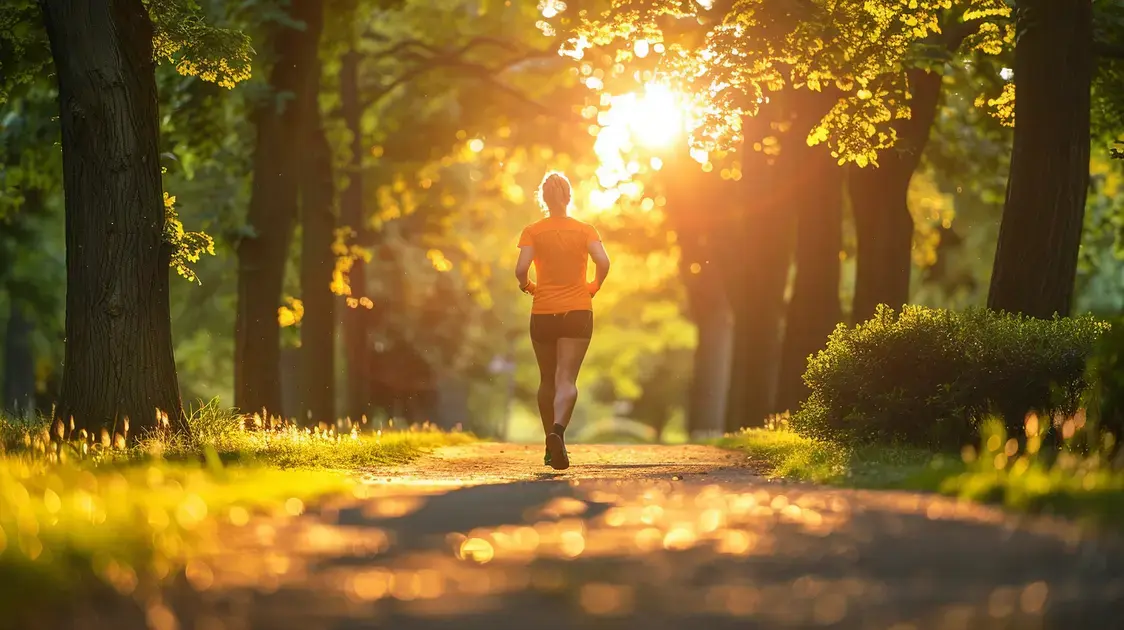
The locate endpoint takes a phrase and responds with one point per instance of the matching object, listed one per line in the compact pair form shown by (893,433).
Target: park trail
(483,536)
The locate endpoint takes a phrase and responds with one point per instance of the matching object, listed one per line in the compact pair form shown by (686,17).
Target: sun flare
(654,118)
(634,130)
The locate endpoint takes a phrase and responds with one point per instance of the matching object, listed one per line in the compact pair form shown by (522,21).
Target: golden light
(652,120)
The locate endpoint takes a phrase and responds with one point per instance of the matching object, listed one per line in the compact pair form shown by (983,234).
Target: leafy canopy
(181,36)
(735,54)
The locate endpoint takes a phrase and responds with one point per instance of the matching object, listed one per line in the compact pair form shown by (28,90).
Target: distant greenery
(926,377)
(134,516)
(1016,474)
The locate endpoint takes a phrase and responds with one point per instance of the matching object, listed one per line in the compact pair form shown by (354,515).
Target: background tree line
(364,167)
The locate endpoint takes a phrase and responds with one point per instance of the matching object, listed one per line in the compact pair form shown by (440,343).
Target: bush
(1106,375)
(926,376)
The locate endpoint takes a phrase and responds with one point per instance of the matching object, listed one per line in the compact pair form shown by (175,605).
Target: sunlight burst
(632,128)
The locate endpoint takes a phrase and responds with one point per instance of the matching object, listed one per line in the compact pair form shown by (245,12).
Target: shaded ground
(484,536)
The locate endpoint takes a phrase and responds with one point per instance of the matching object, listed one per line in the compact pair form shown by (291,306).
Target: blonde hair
(554,194)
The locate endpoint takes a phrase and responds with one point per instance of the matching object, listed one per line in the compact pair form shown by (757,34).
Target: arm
(523,266)
(601,260)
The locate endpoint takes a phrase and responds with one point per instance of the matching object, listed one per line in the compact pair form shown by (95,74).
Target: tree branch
(955,35)
(490,76)
(453,59)
(464,49)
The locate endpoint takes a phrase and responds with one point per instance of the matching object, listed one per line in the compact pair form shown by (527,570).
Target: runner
(562,310)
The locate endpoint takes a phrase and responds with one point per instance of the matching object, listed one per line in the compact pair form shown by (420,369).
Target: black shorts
(549,328)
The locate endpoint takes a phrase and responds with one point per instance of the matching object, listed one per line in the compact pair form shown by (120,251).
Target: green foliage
(1106,375)
(1000,470)
(24,53)
(182,36)
(1108,80)
(187,247)
(926,376)
(736,56)
(787,455)
(196,48)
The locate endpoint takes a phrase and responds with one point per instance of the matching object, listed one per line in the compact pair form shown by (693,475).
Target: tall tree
(883,223)
(757,253)
(814,309)
(119,364)
(356,322)
(740,57)
(697,210)
(19,362)
(262,254)
(1036,260)
(318,224)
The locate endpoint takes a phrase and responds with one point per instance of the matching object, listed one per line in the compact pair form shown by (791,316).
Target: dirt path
(484,463)
(646,537)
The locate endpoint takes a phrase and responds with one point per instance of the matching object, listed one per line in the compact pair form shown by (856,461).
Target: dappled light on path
(654,550)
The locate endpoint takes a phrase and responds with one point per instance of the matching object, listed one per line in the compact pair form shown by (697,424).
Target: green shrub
(1106,375)
(925,376)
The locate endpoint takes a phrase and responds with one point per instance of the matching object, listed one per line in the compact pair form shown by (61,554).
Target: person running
(562,309)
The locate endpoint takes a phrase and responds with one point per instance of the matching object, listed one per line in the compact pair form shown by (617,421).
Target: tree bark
(758,253)
(19,363)
(697,206)
(879,201)
(318,221)
(710,380)
(272,213)
(1036,259)
(355,320)
(814,309)
(118,362)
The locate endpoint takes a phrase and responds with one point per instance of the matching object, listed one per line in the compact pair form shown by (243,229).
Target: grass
(133,516)
(1015,474)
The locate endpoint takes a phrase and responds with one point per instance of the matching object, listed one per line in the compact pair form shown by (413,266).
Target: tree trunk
(318,220)
(879,201)
(273,210)
(757,256)
(710,380)
(118,359)
(19,364)
(355,320)
(1036,259)
(697,205)
(814,308)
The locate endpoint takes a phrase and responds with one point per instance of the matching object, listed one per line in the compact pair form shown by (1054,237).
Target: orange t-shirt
(561,263)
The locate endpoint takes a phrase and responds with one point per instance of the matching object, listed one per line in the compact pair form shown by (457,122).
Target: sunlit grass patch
(1003,470)
(790,456)
(127,525)
(223,433)
(85,508)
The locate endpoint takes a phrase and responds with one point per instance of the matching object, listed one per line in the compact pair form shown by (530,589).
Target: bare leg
(547,356)
(571,353)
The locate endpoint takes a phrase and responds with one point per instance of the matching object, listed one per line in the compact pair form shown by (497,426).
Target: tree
(262,254)
(740,57)
(1036,260)
(31,265)
(698,210)
(355,321)
(118,367)
(814,310)
(882,218)
(318,223)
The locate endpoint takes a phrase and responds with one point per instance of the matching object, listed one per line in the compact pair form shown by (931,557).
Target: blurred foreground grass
(1082,483)
(78,506)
